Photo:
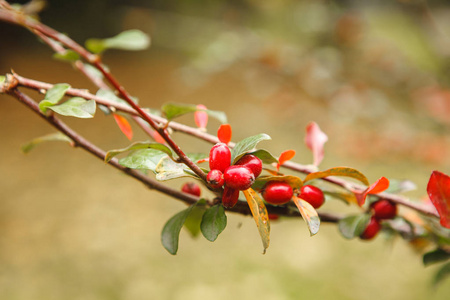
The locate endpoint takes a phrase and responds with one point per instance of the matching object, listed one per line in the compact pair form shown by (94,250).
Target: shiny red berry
(219,157)
(191,188)
(239,177)
(252,162)
(215,179)
(371,230)
(230,197)
(277,193)
(384,209)
(313,195)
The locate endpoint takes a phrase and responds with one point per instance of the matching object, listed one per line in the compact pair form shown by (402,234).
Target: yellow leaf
(309,214)
(260,215)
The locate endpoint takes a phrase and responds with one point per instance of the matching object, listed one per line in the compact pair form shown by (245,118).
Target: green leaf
(2,79)
(146,159)
(442,274)
(53,96)
(136,146)
(309,214)
(67,55)
(246,145)
(214,222)
(260,215)
(76,107)
(435,256)
(353,226)
(265,156)
(400,186)
(294,181)
(171,231)
(339,171)
(193,221)
(58,136)
(173,110)
(127,40)
(167,169)
(110,96)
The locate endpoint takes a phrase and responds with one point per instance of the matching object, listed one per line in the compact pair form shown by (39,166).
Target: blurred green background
(373,74)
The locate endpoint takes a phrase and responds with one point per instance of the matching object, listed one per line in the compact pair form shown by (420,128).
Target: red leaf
(315,140)
(438,190)
(201,117)
(379,186)
(284,157)
(224,133)
(124,126)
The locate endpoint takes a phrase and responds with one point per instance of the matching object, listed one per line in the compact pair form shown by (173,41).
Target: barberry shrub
(235,169)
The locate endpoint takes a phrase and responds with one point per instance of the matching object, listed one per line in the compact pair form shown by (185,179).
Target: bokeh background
(373,74)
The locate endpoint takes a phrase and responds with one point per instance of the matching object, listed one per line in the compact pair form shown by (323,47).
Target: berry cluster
(234,178)
(381,210)
(279,193)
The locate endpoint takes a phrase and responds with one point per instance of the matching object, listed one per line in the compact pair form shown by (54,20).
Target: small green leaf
(339,171)
(46,138)
(137,146)
(167,169)
(435,256)
(2,79)
(171,231)
(246,145)
(93,71)
(442,274)
(309,214)
(400,186)
(173,110)
(53,96)
(260,215)
(214,222)
(76,107)
(294,181)
(146,159)
(110,96)
(127,40)
(67,55)
(193,221)
(353,226)
(265,156)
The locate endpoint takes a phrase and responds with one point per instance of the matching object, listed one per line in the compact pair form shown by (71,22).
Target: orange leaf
(201,117)
(438,189)
(315,139)
(224,133)
(124,126)
(284,157)
(379,186)
(156,136)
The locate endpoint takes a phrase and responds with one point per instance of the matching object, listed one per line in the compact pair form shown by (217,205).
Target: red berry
(230,197)
(191,188)
(384,209)
(313,195)
(371,230)
(277,192)
(239,177)
(274,217)
(215,179)
(219,157)
(252,162)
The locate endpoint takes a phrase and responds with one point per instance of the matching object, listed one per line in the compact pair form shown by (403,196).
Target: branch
(81,142)
(38,85)
(15,17)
